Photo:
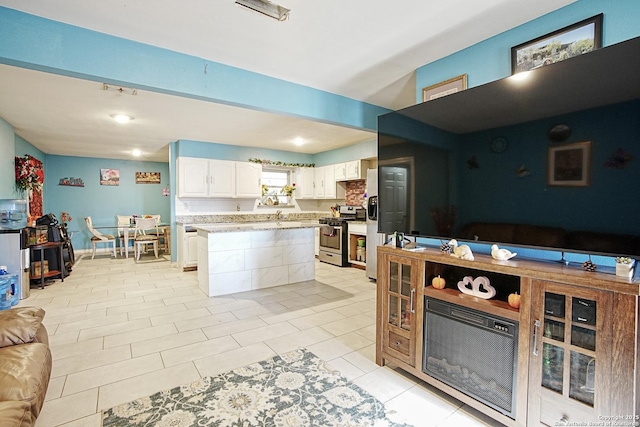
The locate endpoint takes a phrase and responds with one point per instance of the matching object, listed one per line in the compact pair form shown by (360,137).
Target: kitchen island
(241,257)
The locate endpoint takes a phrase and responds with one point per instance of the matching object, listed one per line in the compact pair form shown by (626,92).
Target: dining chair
(162,237)
(98,237)
(146,233)
(124,221)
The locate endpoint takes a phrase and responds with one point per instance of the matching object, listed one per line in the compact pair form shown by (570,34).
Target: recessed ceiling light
(121,118)
(136,153)
(298,141)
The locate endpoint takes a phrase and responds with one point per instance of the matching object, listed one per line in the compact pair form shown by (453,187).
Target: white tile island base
(243,257)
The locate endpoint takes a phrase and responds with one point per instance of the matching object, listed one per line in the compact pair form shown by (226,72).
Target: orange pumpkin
(438,282)
(514,300)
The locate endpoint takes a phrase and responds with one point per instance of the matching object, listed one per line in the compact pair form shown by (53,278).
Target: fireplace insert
(473,352)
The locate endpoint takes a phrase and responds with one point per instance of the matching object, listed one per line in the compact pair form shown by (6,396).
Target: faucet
(278,215)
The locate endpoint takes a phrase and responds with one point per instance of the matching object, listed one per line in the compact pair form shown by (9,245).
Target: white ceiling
(363,49)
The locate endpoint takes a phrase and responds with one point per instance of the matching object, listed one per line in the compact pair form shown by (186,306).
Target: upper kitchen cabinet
(356,169)
(304,183)
(218,178)
(340,171)
(248,179)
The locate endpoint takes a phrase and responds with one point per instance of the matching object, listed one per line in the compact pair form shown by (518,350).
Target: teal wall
(102,203)
(7,147)
(490,59)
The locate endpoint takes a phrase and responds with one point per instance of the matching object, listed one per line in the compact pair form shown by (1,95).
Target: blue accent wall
(102,203)
(490,59)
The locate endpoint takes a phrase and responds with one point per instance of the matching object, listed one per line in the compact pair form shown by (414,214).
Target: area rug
(293,389)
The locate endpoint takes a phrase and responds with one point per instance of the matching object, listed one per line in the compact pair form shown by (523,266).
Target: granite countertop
(255,226)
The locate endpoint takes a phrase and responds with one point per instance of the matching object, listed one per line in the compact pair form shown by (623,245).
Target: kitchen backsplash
(354,194)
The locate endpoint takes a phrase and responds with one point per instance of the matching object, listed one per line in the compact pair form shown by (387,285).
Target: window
(272,183)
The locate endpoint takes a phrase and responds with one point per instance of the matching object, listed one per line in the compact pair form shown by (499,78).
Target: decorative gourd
(514,300)
(438,282)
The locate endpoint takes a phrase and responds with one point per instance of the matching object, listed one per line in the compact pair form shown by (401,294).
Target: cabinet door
(340,171)
(191,245)
(398,297)
(193,177)
(248,179)
(357,169)
(318,183)
(304,183)
(570,363)
(222,178)
(329,182)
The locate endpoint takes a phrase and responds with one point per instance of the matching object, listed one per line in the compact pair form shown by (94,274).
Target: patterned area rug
(294,389)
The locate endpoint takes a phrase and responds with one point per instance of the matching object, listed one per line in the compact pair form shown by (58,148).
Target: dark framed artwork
(567,42)
(570,164)
(147,177)
(447,87)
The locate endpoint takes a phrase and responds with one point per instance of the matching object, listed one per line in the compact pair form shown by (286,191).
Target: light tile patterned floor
(120,330)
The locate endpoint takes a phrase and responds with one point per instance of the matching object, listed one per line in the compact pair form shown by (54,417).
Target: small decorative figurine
(589,265)
(501,254)
(478,287)
(446,248)
(462,251)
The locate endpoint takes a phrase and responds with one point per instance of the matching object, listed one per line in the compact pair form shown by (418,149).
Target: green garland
(266,162)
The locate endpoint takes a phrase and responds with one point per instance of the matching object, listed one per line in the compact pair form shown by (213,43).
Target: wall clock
(498,145)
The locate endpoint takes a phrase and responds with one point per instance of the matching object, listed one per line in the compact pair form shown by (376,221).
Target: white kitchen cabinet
(318,183)
(340,171)
(187,249)
(356,169)
(193,177)
(304,183)
(329,182)
(248,179)
(199,177)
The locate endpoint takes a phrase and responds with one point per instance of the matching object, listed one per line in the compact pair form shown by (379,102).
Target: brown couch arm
(22,325)
(15,414)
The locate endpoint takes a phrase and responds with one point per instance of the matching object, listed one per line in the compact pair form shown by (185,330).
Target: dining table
(166,228)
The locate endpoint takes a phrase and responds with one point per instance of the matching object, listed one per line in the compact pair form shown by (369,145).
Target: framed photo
(447,87)
(570,164)
(110,177)
(574,40)
(147,177)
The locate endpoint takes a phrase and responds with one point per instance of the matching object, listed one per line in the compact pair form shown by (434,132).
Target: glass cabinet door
(569,346)
(400,295)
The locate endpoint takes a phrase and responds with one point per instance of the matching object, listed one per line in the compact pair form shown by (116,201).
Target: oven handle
(536,326)
(413,292)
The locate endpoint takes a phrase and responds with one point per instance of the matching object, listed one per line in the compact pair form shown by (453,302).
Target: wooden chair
(146,233)
(98,237)
(163,241)
(124,221)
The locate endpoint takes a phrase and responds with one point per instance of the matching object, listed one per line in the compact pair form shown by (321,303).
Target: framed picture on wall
(110,177)
(570,164)
(447,87)
(147,177)
(574,40)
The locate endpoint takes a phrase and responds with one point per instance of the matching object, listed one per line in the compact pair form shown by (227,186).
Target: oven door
(331,239)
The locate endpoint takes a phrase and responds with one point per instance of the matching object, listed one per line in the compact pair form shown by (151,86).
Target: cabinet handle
(536,326)
(397,343)
(413,292)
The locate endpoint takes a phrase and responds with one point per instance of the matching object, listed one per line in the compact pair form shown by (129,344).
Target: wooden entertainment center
(575,336)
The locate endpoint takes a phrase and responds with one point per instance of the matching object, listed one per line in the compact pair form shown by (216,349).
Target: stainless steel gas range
(333,241)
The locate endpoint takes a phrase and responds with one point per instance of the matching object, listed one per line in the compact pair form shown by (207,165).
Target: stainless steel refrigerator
(14,253)
(374,239)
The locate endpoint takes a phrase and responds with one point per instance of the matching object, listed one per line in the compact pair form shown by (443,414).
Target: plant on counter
(265,190)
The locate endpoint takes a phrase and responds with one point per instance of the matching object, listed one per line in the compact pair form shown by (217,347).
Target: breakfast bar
(241,257)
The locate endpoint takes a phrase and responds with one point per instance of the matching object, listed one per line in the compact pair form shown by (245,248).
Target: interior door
(394,190)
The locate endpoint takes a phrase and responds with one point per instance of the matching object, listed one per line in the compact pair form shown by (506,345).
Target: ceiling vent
(119,89)
(266,8)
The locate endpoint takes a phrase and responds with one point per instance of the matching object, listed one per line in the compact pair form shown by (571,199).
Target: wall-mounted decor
(574,40)
(447,87)
(29,179)
(71,182)
(147,177)
(267,162)
(569,164)
(110,177)
(619,159)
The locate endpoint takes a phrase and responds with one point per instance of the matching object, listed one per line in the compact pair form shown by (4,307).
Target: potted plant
(624,266)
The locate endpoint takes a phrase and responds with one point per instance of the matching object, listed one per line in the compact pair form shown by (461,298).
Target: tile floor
(121,330)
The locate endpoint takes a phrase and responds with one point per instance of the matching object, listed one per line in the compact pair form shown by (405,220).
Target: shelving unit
(576,332)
